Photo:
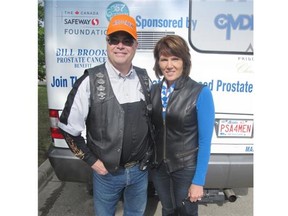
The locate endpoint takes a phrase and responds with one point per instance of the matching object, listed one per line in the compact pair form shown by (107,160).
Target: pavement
(45,172)
(242,207)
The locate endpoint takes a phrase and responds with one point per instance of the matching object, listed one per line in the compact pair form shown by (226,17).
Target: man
(109,101)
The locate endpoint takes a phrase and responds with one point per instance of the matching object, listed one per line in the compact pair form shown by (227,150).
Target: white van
(220,36)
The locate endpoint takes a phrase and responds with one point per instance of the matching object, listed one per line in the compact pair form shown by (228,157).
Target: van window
(222,26)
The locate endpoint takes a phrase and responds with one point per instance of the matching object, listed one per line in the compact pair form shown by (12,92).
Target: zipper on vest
(164,140)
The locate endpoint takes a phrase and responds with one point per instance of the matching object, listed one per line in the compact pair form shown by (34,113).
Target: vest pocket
(186,153)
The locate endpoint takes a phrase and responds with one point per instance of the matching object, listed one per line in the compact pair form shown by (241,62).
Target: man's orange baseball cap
(122,22)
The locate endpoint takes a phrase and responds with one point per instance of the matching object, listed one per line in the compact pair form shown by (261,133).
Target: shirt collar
(111,68)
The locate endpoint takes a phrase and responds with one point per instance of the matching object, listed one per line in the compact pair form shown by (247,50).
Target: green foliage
(41,43)
(44,138)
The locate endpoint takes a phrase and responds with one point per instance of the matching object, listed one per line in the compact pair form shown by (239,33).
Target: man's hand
(99,167)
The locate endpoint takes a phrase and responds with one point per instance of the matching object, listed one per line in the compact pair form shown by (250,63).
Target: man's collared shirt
(123,86)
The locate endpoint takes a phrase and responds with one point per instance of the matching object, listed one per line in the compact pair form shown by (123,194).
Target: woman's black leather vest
(176,137)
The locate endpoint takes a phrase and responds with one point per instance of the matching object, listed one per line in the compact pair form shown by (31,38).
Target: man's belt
(130,164)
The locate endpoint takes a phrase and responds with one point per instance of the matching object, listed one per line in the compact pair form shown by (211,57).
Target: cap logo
(123,22)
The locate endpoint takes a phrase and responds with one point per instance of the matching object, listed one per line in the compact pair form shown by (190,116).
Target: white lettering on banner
(84,31)
(77,21)
(82,65)
(81,60)
(96,59)
(91,52)
(73,79)
(164,23)
(80,52)
(234,87)
(249,149)
(60,82)
(232,148)
(64,52)
(71,60)
(241,87)
(153,23)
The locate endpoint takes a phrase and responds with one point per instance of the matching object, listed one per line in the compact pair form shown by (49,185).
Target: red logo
(95,21)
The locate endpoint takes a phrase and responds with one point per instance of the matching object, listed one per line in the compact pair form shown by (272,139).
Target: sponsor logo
(228,22)
(116,8)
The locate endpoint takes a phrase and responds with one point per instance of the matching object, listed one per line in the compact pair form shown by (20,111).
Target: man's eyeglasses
(115,41)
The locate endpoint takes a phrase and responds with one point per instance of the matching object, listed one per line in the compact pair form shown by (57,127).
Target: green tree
(41,43)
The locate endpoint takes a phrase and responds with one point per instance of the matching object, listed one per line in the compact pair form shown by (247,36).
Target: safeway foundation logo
(81,20)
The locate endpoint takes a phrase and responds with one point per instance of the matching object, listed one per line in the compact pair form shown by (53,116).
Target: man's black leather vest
(177,136)
(105,121)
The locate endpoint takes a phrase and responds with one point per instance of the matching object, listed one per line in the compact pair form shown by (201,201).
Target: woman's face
(171,67)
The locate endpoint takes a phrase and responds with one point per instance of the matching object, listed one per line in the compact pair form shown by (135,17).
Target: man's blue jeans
(172,188)
(108,189)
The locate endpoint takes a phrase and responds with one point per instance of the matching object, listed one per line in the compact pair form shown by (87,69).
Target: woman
(183,115)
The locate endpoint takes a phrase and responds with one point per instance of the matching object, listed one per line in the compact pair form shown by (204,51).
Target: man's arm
(78,146)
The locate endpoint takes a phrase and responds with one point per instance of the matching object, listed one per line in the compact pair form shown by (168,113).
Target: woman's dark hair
(172,45)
